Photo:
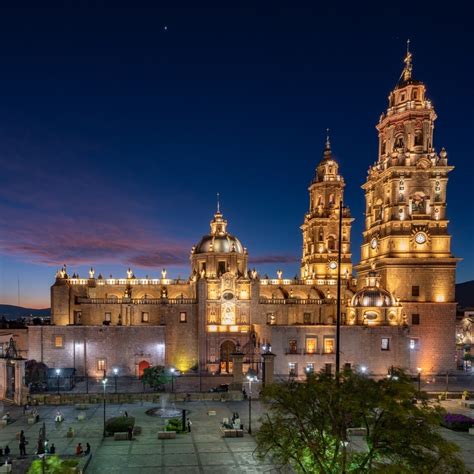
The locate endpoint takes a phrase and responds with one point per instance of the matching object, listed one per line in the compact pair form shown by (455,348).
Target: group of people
(80,450)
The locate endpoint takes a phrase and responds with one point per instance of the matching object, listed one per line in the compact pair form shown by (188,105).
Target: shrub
(457,422)
(53,465)
(119,424)
(174,424)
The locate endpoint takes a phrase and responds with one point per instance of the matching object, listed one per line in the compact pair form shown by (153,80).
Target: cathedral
(399,311)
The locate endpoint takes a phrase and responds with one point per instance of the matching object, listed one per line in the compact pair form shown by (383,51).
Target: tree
(53,465)
(35,371)
(155,377)
(306,426)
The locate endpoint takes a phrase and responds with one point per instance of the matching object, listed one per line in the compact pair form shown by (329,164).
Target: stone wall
(360,346)
(122,347)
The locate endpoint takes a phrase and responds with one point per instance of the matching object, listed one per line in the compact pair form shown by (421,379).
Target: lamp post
(104,384)
(363,369)
(172,370)
(338,302)
(419,378)
(115,370)
(251,377)
(58,373)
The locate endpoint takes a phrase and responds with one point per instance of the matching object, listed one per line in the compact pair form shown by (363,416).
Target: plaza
(202,450)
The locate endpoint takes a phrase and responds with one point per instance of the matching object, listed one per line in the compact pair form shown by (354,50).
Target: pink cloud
(274,259)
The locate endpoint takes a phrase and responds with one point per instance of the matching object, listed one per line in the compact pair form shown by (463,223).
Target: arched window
(331,243)
(321,234)
(418,138)
(399,142)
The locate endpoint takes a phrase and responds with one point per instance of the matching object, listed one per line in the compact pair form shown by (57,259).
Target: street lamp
(363,369)
(251,377)
(58,372)
(419,378)
(172,370)
(115,371)
(104,384)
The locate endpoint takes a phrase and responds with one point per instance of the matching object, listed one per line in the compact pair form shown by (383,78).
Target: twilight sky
(119,125)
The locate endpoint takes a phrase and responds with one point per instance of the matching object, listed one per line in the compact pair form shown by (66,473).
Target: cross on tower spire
(218,204)
(407,70)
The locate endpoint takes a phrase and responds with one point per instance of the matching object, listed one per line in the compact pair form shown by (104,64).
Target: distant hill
(465,294)
(15,312)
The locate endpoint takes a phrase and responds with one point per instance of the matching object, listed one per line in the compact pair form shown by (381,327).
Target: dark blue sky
(116,133)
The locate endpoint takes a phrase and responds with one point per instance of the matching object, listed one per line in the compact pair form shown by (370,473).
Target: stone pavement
(202,450)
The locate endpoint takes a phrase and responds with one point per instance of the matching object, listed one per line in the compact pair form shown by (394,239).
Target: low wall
(117,398)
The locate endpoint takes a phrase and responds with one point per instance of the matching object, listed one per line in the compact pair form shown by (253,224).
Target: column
(268,368)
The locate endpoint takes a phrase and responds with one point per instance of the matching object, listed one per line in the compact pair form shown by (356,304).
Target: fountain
(164,411)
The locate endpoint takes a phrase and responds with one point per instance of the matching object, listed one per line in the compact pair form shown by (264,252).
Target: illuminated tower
(406,229)
(321,223)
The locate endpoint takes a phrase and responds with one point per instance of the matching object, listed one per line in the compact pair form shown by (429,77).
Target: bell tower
(406,228)
(321,223)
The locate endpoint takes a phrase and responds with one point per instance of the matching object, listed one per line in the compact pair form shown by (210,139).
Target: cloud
(274,259)
(88,223)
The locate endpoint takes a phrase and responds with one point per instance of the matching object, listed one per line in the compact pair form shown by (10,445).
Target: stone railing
(290,301)
(136,300)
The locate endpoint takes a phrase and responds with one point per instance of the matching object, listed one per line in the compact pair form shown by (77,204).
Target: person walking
(7,450)
(130,432)
(189,425)
(52,449)
(22,447)
(88,449)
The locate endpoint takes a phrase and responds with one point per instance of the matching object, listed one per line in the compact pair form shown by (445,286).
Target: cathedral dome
(226,243)
(219,240)
(372,295)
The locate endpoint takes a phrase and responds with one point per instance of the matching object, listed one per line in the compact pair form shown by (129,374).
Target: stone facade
(399,312)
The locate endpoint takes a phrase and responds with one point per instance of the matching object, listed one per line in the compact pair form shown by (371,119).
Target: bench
(232,433)
(166,434)
(32,420)
(211,412)
(471,431)
(81,416)
(120,436)
(467,404)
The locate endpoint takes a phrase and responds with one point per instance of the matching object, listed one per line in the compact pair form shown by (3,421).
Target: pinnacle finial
(218,203)
(328,143)
(408,63)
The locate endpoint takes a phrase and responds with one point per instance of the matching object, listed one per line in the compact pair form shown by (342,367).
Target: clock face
(374,243)
(228,295)
(420,238)
(332,265)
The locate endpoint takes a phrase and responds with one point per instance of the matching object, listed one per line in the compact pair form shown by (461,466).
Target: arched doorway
(142,366)
(226,364)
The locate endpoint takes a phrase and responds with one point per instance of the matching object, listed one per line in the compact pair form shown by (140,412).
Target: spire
(218,204)
(327,147)
(407,70)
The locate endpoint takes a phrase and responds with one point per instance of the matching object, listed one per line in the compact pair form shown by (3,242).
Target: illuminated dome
(369,297)
(219,243)
(219,240)
(372,295)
